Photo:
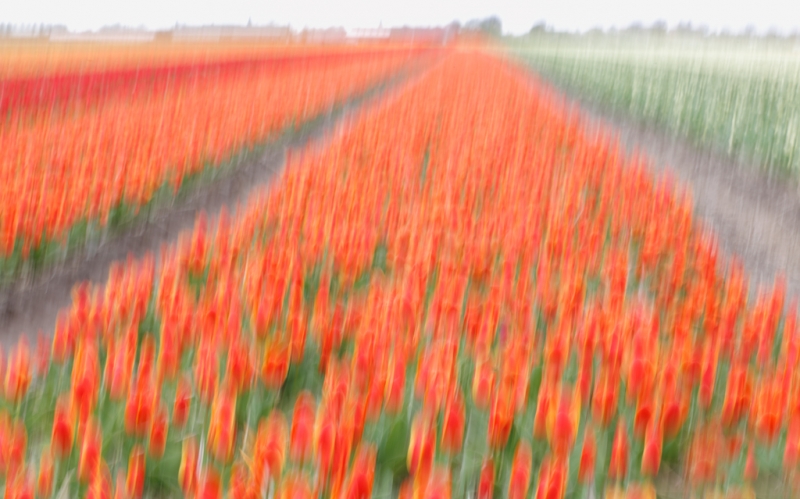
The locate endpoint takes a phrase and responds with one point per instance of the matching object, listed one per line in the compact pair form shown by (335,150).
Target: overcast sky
(517,17)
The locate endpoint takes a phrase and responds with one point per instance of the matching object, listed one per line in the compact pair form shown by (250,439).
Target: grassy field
(740,95)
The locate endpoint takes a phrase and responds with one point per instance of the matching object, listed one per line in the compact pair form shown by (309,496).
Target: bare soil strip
(32,304)
(754,215)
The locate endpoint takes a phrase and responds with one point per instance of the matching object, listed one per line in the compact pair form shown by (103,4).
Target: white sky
(517,17)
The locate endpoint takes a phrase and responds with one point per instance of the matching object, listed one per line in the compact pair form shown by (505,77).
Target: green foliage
(741,98)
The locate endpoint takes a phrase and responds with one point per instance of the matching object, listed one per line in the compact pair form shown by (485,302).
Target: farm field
(84,152)
(465,291)
(739,96)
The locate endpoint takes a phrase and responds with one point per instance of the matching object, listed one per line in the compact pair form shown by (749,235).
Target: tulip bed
(82,153)
(486,301)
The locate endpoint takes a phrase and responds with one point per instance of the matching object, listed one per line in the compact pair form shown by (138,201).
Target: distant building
(163,36)
(369,33)
(219,33)
(329,35)
(106,34)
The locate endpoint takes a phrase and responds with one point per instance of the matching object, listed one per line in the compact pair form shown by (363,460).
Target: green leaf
(393,448)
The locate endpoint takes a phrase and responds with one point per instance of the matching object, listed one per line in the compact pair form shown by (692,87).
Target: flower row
(487,301)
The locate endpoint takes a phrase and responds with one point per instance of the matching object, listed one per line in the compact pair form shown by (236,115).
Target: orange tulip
(85,378)
(301,438)
(543,403)
(269,454)
(552,479)
(483,383)
(675,411)
(206,374)
(708,377)
(134,484)
(63,340)
(42,356)
(604,400)
(239,484)
(18,375)
(791,453)
(520,474)
(421,447)
(294,486)
(750,465)
(277,356)
(15,447)
(618,465)
(395,385)
(239,365)
(20,486)
(91,445)
(187,473)
(100,484)
(562,422)
(222,427)
(438,485)
(501,418)
(324,441)
(44,483)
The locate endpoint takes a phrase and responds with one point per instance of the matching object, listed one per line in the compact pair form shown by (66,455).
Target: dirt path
(754,215)
(32,305)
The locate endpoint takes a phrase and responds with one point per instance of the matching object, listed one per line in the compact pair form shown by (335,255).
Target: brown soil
(32,303)
(755,215)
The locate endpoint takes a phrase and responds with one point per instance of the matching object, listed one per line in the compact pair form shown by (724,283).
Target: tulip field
(82,152)
(463,293)
(738,96)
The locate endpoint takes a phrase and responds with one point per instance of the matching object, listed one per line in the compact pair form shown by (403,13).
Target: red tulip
(588,457)
(653,444)
(453,426)
(362,476)
(750,465)
(486,480)
(158,434)
(61,439)
(183,401)
(520,474)
(209,486)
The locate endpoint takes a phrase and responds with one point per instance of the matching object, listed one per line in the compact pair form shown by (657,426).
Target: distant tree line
(491,26)
(661,28)
(43,30)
